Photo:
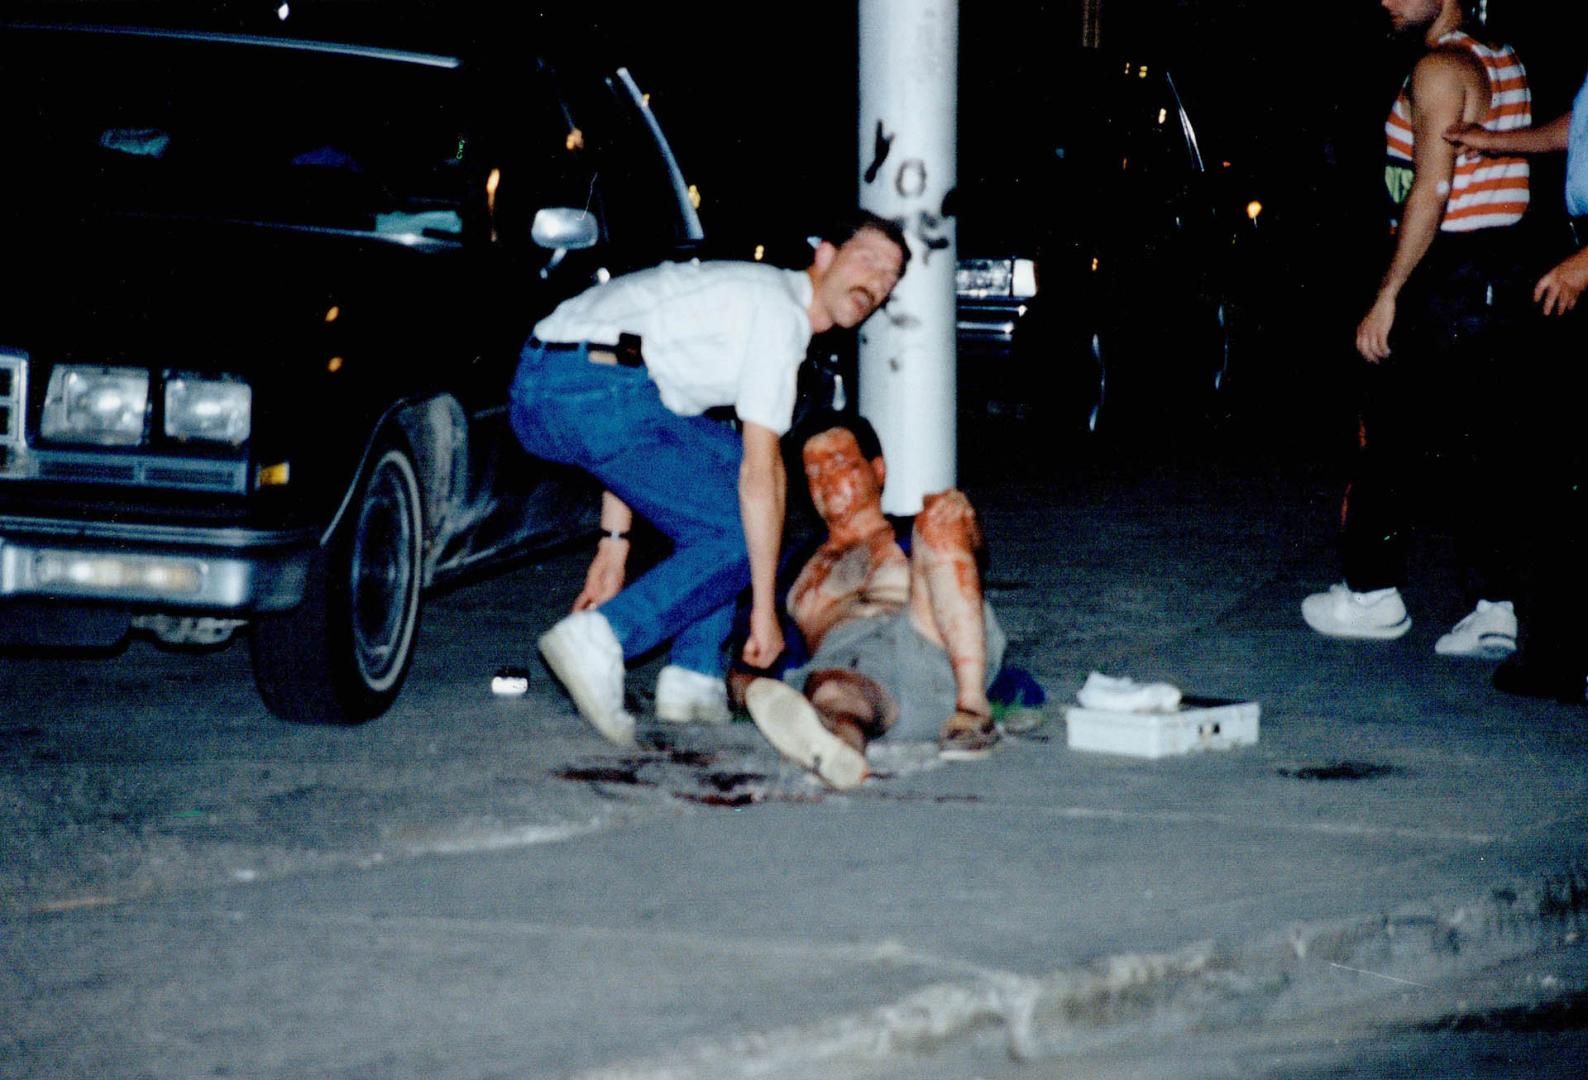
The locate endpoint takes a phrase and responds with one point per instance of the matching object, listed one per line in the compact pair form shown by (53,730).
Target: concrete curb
(1298,971)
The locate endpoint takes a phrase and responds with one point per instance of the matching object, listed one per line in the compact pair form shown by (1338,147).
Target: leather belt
(626,353)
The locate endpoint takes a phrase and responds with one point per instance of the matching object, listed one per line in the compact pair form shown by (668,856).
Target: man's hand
(1470,138)
(1372,333)
(604,579)
(766,639)
(1559,289)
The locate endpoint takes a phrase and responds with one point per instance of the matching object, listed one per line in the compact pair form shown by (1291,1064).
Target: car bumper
(227,571)
(989,322)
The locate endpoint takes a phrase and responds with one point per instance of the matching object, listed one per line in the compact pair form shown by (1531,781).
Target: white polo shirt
(713,333)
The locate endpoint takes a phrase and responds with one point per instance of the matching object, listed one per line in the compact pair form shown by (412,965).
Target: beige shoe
(792,724)
(967,737)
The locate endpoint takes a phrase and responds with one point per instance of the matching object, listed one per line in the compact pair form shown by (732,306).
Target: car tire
(342,655)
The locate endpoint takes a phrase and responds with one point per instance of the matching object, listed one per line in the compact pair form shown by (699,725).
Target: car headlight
(212,410)
(984,278)
(101,405)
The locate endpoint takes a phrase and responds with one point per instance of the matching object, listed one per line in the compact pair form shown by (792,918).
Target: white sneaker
(1489,633)
(687,697)
(584,654)
(1379,615)
(793,725)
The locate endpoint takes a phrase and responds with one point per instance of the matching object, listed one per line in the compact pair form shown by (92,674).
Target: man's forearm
(1544,139)
(762,487)
(616,517)
(1419,225)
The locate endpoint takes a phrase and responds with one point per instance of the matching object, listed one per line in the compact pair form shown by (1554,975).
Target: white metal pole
(909,64)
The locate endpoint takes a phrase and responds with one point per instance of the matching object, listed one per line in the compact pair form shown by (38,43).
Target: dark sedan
(1105,249)
(267,292)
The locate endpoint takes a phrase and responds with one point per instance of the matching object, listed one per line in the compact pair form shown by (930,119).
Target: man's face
(858,277)
(842,482)
(1412,14)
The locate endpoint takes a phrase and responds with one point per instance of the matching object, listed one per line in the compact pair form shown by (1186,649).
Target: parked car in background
(1105,250)
(268,287)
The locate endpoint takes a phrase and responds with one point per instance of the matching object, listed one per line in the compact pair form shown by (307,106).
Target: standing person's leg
(1552,655)
(1375,526)
(1487,476)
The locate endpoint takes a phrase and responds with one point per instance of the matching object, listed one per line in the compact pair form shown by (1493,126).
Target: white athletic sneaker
(793,725)
(1379,615)
(688,697)
(584,654)
(1489,633)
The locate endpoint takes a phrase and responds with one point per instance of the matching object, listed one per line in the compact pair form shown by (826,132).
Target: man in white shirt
(616,381)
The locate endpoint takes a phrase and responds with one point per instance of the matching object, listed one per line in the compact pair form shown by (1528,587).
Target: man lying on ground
(900,643)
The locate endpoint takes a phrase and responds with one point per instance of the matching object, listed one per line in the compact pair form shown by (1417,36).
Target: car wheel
(341,656)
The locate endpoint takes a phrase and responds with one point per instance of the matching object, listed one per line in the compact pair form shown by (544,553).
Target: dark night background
(762,109)
(760,102)
(761,106)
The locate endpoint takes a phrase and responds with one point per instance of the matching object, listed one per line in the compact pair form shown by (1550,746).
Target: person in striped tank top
(1444,390)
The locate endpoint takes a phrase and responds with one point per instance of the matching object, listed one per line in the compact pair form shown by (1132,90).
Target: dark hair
(844,229)
(829,419)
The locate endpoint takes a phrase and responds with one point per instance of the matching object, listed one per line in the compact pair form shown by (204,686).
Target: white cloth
(713,333)
(1127,695)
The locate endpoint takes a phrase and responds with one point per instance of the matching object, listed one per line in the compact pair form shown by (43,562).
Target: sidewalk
(1399,830)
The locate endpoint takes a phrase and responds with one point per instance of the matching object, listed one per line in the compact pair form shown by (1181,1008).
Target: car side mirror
(564,228)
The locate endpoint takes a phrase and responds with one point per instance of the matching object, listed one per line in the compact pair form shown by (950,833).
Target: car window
(237,131)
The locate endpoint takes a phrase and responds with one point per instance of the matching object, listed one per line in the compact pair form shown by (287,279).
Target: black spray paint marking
(910,180)
(879,153)
(926,226)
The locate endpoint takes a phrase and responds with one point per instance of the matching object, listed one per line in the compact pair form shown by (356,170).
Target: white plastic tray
(1199,724)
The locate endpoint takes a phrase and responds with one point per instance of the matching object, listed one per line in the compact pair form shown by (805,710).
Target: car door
(578,145)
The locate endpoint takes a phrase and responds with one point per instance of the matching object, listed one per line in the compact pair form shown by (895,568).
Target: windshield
(1109,146)
(127,123)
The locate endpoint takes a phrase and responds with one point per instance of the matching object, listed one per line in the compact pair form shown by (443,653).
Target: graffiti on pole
(879,153)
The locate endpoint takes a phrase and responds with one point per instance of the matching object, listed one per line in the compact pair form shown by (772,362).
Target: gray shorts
(915,672)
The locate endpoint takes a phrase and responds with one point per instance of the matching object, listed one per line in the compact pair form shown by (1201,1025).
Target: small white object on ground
(510,682)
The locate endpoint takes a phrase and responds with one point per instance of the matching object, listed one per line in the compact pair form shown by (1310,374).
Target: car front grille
(13,395)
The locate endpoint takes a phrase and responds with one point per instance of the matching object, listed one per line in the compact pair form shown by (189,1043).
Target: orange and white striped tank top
(1485,192)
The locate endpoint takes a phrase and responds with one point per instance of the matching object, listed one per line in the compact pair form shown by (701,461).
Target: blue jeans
(681,473)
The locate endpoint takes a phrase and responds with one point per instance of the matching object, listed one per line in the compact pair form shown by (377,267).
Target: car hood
(199,296)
